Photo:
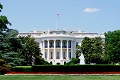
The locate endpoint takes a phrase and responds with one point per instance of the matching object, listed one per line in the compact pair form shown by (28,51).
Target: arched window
(57,44)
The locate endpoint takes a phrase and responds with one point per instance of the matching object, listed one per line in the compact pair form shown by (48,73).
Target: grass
(43,77)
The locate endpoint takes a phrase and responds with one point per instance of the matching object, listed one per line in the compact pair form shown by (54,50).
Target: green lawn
(39,77)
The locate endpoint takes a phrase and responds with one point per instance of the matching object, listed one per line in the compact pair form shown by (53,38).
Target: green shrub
(73,61)
(2,62)
(41,61)
(76,68)
(4,68)
(21,69)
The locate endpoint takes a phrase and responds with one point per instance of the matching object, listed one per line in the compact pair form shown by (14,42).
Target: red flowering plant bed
(60,69)
(63,73)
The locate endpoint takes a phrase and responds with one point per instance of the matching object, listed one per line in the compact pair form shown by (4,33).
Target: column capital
(42,40)
(48,40)
(54,39)
(61,39)
(67,40)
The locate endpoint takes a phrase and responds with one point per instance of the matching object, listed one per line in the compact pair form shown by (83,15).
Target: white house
(59,46)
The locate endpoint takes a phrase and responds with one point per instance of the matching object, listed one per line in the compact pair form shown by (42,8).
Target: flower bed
(63,73)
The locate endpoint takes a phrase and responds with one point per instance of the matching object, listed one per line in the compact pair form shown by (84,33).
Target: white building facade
(59,46)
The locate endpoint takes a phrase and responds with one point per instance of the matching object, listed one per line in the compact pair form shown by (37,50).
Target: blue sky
(90,15)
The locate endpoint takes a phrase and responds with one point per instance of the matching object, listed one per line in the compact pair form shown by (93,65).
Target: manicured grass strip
(22,66)
(39,77)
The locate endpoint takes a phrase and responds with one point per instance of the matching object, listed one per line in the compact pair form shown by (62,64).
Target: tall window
(69,44)
(51,55)
(76,44)
(64,55)
(45,44)
(57,44)
(51,44)
(69,55)
(46,55)
(57,55)
(64,46)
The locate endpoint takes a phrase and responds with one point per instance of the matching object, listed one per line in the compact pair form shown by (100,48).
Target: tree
(86,49)
(73,61)
(92,48)
(4,68)
(78,51)
(1,7)
(13,58)
(112,46)
(7,45)
(98,50)
(31,50)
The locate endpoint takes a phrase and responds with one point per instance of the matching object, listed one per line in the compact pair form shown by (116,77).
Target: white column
(54,50)
(48,56)
(43,48)
(67,50)
(71,48)
(61,56)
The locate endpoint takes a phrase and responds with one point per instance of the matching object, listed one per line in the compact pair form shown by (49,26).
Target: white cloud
(91,10)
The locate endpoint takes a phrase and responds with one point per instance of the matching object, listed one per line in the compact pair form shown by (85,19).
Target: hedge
(22,69)
(77,68)
(66,68)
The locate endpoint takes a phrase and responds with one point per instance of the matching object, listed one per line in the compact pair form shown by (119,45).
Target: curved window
(57,44)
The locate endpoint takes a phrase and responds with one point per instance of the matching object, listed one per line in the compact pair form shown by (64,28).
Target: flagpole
(56,22)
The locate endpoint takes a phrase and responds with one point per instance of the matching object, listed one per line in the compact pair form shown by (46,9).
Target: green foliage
(3,24)
(78,51)
(76,68)
(93,49)
(13,58)
(30,51)
(73,61)
(1,7)
(41,61)
(9,43)
(22,69)
(2,62)
(16,50)
(112,45)
(4,67)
